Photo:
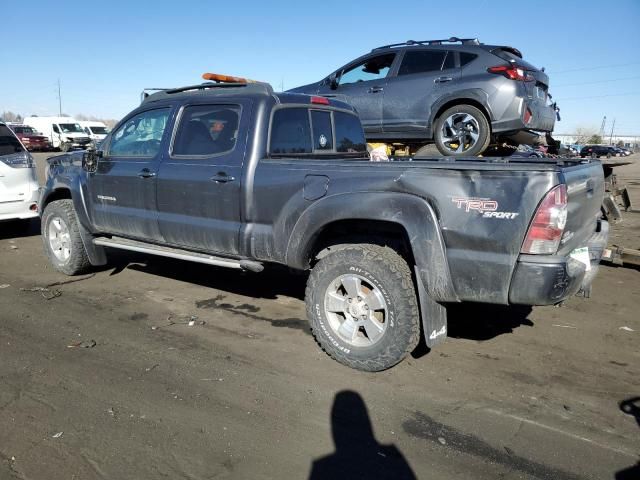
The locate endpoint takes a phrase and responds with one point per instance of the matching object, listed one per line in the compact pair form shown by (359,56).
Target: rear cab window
(316,133)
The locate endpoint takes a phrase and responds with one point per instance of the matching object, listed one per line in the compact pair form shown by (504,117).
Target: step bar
(142,247)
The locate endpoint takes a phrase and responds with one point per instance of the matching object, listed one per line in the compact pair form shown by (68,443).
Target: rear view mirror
(333,81)
(90,160)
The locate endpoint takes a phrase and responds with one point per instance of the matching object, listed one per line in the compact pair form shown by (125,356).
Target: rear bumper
(547,280)
(21,209)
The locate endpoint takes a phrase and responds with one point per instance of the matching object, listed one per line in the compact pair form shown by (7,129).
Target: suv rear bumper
(547,280)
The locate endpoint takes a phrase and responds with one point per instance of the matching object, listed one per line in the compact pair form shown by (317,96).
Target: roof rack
(409,43)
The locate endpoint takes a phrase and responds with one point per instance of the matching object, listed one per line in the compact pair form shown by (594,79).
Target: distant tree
(620,143)
(11,117)
(596,139)
(582,135)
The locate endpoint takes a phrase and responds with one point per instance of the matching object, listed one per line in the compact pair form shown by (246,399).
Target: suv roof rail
(264,87)
(409,43)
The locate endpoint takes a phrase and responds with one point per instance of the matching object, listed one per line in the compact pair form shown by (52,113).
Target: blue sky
(105,53)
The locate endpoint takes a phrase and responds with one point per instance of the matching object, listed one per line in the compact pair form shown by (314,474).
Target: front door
(123,189)
(199,182)
(363,86)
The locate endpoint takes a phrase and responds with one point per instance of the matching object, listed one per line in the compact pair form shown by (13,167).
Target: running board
(142,247)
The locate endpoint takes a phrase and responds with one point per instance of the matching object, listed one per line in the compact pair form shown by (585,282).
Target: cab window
(141,135)
(373,68)
(349,134)
(290,132)
(207,130)
(322,130)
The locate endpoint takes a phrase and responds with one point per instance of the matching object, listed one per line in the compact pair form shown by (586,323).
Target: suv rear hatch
(542,115)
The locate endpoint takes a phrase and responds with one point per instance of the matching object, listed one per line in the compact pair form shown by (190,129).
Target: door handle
(375,89)
(442,79)
(222,177)
(146,173)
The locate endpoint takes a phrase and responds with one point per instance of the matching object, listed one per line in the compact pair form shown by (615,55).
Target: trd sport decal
(485,206)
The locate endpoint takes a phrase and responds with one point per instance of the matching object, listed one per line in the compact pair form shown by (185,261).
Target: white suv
(18,182)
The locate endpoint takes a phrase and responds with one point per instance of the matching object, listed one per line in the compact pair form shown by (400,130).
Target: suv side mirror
(90,160)
(333,81)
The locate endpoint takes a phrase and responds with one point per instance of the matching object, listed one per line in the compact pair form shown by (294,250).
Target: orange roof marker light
(218,77)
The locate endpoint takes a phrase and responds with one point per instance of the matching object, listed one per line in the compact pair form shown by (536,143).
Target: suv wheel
(61,235)
(462,130)
(362,306)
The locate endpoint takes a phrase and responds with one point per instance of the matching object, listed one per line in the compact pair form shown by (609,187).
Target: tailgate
(585,190)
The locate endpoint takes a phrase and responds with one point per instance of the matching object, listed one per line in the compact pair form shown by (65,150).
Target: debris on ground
(189,320)
(4,285)
(627,329)
(57,435)
(563,326)
(85,344)
(46,293)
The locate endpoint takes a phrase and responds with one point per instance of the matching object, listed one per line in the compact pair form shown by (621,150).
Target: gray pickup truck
(235,175)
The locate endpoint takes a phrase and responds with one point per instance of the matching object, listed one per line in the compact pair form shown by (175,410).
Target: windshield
(99,130)
(24,130)
(71,128)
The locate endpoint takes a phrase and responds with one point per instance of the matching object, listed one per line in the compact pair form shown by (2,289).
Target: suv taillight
(548,223)
(512,72)
(18,160)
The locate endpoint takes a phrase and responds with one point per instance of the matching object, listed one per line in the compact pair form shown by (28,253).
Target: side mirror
(333,81)
(90,160)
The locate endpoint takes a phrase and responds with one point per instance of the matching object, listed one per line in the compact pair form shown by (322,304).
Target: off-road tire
(389,272)
(78,261)
(484,130)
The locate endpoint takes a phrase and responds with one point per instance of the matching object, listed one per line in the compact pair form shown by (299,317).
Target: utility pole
(611,136)
(602,125)
(59,100)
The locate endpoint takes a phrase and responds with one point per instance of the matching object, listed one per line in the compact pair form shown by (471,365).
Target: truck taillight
(548,223)
(512,72)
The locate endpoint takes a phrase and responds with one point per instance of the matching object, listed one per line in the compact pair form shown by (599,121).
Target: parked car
(241,176)
(97,131)
(64,133)
(597,151)
(526,151)
(29,137)
(625,151)
(459,93)
(18,183)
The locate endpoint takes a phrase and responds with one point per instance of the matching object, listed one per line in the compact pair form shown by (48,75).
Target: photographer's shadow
(357,453)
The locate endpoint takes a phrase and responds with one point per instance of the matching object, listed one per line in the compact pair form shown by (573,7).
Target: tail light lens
(18,160)
(548,223)
(512,72)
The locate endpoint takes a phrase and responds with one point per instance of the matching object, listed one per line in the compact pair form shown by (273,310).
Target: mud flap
(97,255)
(434,316)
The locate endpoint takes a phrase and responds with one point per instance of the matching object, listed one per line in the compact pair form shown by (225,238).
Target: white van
(97,131)
(18,182)
(64,133)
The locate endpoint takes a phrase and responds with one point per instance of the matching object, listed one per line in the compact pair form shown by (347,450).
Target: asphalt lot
(245,393)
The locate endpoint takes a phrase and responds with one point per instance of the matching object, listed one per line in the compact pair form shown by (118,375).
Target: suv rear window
(8,142)
(420,61)
(349,134)
(290,131)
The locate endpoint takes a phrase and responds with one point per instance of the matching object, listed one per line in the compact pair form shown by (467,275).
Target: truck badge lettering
(485,206)
(106,198)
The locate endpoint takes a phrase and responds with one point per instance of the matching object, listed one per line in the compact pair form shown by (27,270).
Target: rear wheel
(362,306)
(61,235)
(462,130)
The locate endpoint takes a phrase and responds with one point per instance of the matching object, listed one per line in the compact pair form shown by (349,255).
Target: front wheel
(362,306)
(61,236)
(462,130)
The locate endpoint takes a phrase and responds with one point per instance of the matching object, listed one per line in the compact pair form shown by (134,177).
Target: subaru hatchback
(460,94)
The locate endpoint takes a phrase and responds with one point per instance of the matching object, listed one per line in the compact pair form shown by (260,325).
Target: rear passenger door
(423,76)
(199,181)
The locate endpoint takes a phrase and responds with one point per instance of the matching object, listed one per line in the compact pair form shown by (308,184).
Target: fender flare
(414,214)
